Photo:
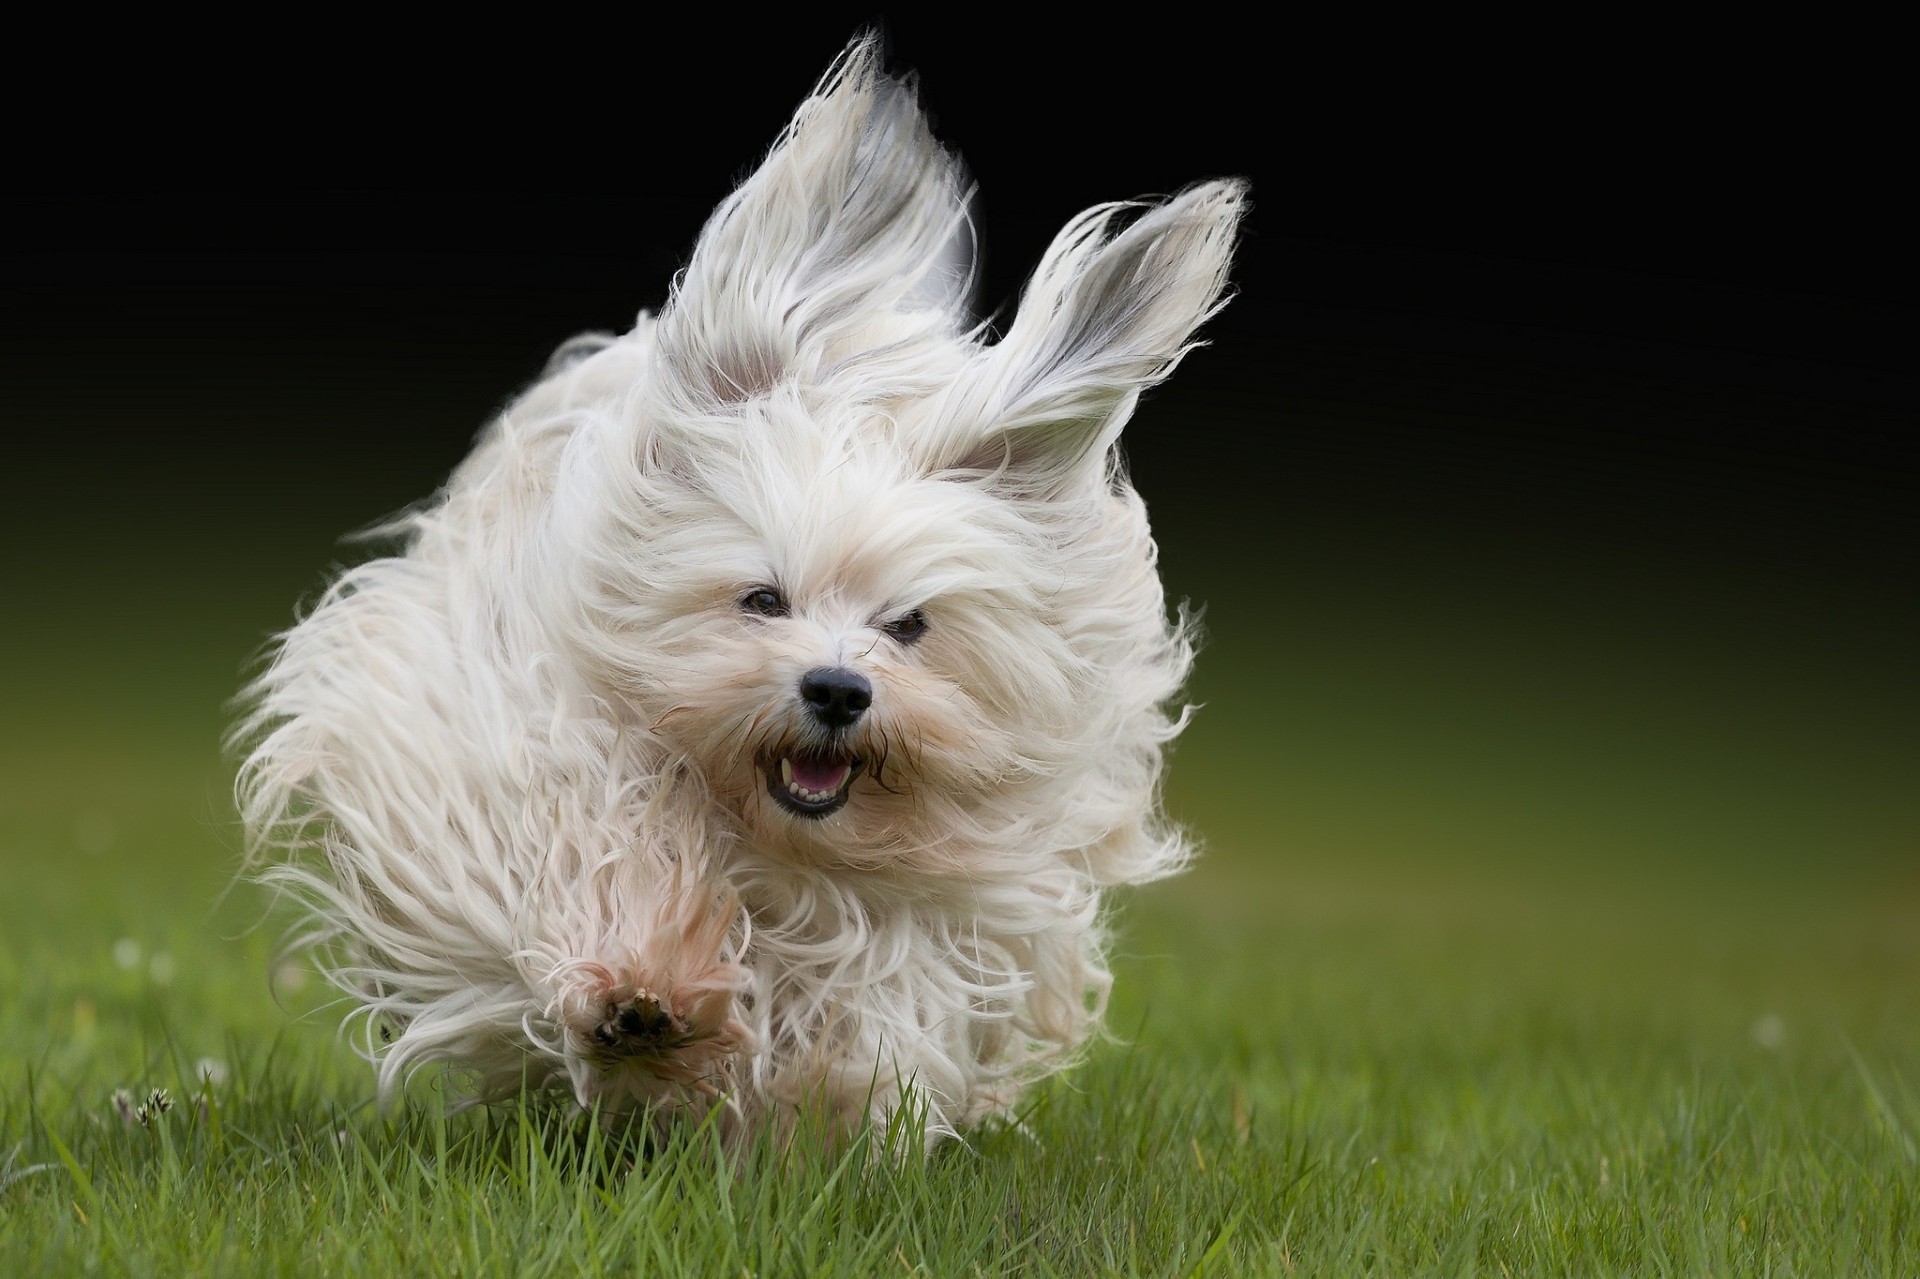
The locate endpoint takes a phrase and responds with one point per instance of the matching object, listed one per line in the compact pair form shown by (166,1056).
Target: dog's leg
(650,1003)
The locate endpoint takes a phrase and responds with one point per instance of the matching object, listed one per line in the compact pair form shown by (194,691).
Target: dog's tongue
(818,775)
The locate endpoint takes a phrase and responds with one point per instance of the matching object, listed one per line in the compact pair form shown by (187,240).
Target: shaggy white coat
(517,771)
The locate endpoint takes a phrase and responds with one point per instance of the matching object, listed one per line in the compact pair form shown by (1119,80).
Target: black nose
(838,696)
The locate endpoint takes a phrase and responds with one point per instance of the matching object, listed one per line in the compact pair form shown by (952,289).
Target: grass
(1320,1075)
(1331,1059)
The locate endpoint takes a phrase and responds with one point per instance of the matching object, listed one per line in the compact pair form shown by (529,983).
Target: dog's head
(871,579)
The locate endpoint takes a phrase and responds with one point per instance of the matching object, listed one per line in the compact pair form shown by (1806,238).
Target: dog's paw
(633,1032)
(642,1026)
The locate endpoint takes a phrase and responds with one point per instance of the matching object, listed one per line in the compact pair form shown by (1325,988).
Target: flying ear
(1110,312)
(854,232)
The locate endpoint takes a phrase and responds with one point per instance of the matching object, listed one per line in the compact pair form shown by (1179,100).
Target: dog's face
(872,581)
(856,654)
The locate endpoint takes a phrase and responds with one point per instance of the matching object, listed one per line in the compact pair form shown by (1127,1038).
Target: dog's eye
(765,601)
(908,627)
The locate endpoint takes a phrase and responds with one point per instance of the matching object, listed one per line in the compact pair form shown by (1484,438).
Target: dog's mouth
(812,785)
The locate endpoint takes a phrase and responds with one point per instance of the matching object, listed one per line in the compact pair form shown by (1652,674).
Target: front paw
(635,1031)
(641,1026)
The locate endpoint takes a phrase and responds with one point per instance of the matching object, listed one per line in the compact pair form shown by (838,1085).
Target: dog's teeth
(806,794)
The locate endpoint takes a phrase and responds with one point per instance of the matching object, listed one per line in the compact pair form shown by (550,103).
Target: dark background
(1547,483)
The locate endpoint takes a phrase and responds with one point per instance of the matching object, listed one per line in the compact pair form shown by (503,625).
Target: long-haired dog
(758,715)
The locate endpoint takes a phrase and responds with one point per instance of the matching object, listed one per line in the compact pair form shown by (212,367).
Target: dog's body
(760,714)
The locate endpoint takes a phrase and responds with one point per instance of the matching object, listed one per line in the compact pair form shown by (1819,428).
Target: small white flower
(126,953)
(159,1101)
(158,1104)
(160,969)
(1769,1031)
(210,1071)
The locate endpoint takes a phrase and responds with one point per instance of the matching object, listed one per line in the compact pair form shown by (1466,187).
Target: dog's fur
(522,772)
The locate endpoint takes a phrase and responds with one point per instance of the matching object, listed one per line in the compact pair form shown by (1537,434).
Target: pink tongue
(818,775)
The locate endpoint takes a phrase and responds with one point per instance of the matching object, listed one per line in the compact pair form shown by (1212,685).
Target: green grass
(1337,1057)
(1319,1073)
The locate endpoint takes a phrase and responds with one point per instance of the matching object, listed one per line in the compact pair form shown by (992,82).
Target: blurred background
(1547,487)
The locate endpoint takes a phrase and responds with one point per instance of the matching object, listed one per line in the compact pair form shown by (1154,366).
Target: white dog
(758,715)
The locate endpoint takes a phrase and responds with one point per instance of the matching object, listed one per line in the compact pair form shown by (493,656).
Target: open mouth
(812,785)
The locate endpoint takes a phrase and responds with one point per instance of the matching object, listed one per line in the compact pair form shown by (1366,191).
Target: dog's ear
(1110,312)
(853,233)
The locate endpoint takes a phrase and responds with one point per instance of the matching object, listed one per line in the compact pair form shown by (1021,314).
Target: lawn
(1437,1000)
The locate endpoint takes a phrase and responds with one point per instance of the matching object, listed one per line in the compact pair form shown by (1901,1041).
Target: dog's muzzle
(813,780)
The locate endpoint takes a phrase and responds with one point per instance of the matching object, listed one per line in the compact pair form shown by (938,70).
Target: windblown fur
(523,772)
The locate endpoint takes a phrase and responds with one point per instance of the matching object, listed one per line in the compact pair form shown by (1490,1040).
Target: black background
(1562,277)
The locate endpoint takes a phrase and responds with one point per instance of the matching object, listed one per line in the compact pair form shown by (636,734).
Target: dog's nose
(837,695)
